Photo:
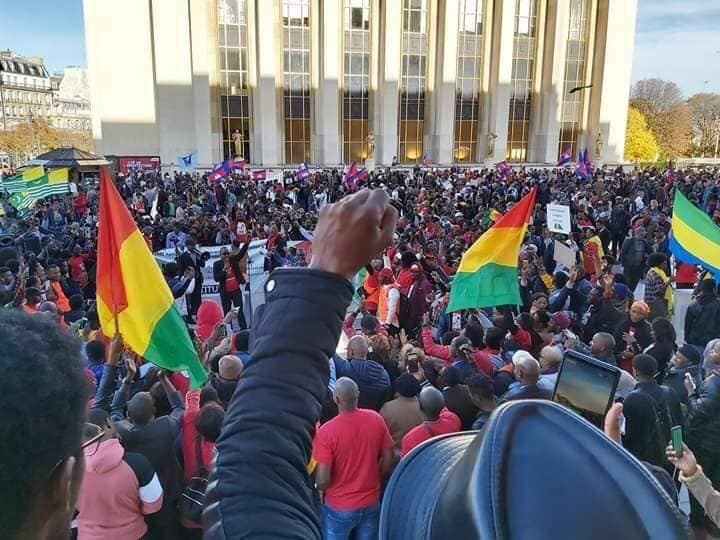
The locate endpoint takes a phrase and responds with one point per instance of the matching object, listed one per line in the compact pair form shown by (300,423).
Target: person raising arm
(260,485)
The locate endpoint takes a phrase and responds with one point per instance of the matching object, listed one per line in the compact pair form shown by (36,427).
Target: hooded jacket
(118,489)
(702,320)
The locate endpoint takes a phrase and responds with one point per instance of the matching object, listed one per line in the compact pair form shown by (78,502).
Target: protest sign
(564,256)
(558,218)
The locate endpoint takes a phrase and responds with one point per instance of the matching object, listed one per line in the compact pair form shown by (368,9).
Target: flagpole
(112,260)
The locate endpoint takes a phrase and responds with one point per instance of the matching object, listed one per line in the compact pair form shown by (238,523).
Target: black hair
(407,259)
(475,333)
(76,302)
(99,417)
(447,337)
(241,341)
(664,331)
(645,364)
(160,397)
(526,321)
(208,394)
(95,351)
(481,386)
(209,421)
(171,269)
(560,279)
(494,337)
(41,429)
(542,317)
(451,376)
(656,259)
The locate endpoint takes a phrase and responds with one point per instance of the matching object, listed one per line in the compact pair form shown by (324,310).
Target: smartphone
(228,330)
(677,442)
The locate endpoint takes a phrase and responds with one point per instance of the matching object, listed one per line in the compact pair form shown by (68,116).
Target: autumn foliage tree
(640,143)
(27,140)
(705,118)
(666,112)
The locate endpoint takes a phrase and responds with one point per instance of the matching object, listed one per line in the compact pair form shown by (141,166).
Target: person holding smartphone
(699,485)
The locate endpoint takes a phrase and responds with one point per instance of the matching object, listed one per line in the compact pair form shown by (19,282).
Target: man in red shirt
(354,451)
(438,420)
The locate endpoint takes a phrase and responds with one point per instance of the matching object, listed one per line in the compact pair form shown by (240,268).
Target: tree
(666,112)
(705,123)
(25,141)
(640,143)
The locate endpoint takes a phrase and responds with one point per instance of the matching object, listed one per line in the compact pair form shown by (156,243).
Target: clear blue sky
(675,39)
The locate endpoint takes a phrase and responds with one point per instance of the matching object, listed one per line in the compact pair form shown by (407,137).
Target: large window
(414,51)
(522,79)
(356,79)
(572,105)
(234,95)
(296,79)
(469,79)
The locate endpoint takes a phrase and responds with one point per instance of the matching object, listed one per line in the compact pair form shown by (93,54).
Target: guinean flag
(131,287)
(487,275)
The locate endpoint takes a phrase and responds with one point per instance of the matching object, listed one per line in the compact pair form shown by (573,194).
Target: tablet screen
(587,386)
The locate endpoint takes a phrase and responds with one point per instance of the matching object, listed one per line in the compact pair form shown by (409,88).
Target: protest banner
(558,218)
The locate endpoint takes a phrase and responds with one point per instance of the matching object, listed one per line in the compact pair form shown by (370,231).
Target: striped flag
(19,181)
(487,275)
(504,169)
(259,175)
(132,294)
(22,201)
(581,167)
(425,159)
(353,175)
(303,173)
(238,164)
(53,183)
(565,157)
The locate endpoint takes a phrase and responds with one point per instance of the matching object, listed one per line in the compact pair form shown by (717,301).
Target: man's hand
(189,272)
(689,383)
(351,232)
(686,463)
(116,349)
(612,423)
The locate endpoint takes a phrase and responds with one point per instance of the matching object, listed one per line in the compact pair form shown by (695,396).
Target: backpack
(404,312)
(192,499)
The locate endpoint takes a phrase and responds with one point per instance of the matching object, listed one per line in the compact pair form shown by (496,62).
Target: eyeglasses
(88,448)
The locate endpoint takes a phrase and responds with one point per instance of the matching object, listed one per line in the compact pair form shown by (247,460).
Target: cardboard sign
(564,256)
(558,218)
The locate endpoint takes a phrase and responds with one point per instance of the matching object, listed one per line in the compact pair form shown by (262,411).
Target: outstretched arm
(260,486)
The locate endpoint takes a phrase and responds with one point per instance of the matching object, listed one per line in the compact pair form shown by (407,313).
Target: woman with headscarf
(658,292)
(633,335)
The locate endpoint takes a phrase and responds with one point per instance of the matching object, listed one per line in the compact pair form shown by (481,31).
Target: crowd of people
(307,443)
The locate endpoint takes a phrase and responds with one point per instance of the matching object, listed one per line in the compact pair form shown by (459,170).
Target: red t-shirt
(405,280)
(448,422)
(77,266)
(351,444)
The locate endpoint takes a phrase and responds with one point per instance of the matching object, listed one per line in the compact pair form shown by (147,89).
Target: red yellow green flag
(131,287)
(487,275)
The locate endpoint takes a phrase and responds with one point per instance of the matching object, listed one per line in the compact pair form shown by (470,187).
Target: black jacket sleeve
(259,487)
(106,389)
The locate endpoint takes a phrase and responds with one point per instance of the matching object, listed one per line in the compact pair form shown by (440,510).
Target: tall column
(173,78)
(203,35)
(327,126)
(612,70)
(500,76)
(121,77)
(387,98)
(267,125)
(547,116)
(441,120)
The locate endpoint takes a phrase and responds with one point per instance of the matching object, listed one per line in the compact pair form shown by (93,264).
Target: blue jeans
(338,524)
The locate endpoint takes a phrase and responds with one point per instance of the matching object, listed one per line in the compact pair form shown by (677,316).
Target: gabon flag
(487,275)
(131,288)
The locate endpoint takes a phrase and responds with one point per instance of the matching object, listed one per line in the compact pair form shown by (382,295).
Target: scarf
(667,295)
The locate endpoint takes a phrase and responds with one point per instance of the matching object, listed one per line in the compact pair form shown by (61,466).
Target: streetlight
(577,88)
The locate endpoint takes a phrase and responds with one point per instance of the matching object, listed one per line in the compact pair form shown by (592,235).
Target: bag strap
(198,455)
